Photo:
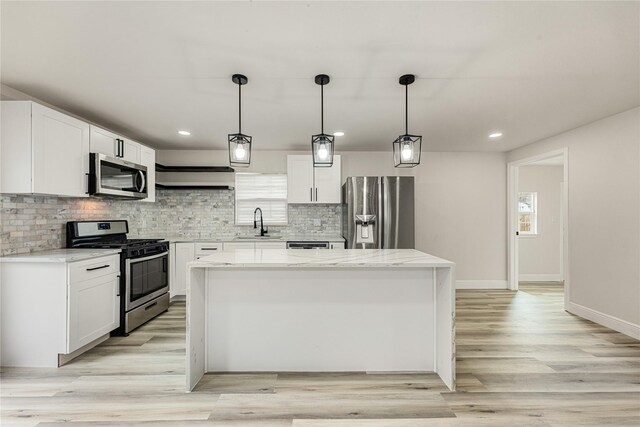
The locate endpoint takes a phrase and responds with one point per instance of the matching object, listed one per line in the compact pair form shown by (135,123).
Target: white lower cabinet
(180,255)
(184,253)
(93,310)
(238,245)
(207,248)
(51,312)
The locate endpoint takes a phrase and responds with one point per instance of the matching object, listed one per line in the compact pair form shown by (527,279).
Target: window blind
(265,191)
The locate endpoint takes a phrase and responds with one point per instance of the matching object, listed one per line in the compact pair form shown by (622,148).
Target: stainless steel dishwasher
(292,244)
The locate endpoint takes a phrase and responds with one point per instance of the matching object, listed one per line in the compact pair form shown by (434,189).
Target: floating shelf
(194,177)
(192,187)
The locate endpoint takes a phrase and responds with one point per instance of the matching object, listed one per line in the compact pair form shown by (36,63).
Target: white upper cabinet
(328,183)
(43,151)
(148,159)
(307,184)
(299,179)
(131,150)
(114,145)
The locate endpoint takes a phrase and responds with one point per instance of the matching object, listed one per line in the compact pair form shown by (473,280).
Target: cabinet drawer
(271,245)
(204,248)
(97,267)
(238,245)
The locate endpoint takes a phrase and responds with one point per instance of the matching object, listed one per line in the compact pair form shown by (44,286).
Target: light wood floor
(522,361)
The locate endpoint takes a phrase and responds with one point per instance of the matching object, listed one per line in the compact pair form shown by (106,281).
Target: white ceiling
(147,69)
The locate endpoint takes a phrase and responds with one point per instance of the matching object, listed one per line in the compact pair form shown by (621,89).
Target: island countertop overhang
(319,258)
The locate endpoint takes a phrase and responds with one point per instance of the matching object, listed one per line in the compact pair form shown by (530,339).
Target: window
(265,191)
(528,213)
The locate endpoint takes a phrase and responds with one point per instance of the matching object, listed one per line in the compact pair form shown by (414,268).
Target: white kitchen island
(375,310)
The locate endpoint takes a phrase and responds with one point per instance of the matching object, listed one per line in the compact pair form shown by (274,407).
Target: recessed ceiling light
(495,135)
(184,132)
(339,133)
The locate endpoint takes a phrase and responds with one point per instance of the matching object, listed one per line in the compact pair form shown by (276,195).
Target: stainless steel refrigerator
(379,212)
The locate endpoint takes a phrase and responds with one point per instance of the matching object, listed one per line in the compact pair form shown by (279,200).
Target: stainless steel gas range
(144,268)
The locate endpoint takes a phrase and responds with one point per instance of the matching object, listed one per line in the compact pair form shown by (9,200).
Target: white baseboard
(482,284)
(600,318)
(540,278)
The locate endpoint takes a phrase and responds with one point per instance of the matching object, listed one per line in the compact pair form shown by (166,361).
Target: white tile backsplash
(34,223)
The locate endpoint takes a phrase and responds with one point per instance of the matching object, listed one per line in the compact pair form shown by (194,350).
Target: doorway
(537,203)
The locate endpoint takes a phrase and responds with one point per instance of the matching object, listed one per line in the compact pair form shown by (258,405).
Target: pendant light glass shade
(239,149)
(322,147)
(239,143)
(406,148)
(322,144)
(406,151)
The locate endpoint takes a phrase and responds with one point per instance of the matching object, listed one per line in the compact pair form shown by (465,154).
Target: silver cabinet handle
(208,249)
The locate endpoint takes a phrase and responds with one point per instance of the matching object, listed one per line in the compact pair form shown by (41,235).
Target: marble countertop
(59,255)
(276,238)
(310,258)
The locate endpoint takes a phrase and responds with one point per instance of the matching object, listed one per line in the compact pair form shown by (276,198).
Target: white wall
(540,255)
(604,217)
(460,202)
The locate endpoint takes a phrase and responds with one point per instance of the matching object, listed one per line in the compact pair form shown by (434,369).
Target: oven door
(145,279)
(111,177)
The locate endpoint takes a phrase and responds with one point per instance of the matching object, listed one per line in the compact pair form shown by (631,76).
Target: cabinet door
(148,159)
(60,153)
(271,245)
(300,179)
(131,151)
(328,183)
(238,245)
(185,252)
(105,142)
(94,310)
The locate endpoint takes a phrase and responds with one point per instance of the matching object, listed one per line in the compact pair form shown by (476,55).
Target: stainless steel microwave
(116,178)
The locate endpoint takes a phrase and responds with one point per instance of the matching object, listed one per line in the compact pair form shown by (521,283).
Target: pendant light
(406,148)
(322,144)
(239,143)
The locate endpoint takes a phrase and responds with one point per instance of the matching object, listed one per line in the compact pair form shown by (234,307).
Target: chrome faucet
(263,230)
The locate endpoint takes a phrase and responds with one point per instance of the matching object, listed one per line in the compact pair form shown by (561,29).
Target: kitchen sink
(258,237)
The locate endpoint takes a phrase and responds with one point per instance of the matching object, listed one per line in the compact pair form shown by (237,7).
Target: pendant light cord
(239,108)
(406,109)
(322,109)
